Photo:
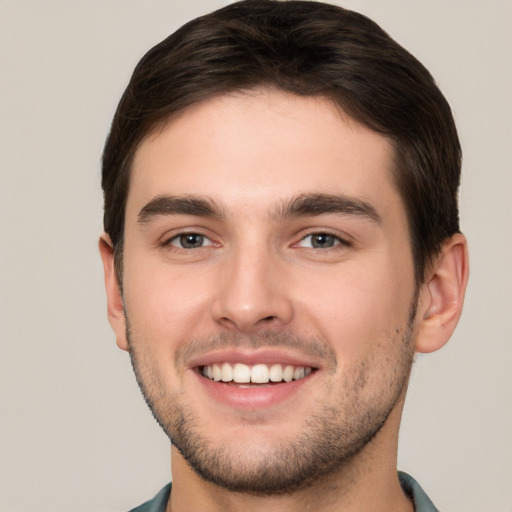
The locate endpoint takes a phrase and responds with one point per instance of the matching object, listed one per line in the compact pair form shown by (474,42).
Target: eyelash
(337,241)
(182,236)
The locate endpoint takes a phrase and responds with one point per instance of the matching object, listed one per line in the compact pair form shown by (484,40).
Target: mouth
(243,375)
(253,381)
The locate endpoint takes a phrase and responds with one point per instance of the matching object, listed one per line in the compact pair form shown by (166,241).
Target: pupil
(191,241)
(322,240)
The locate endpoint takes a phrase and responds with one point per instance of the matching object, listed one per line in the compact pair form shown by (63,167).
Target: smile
(257,374)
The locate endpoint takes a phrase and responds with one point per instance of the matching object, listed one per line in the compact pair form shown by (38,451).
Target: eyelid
(168,239)
(177,239)
(340,240)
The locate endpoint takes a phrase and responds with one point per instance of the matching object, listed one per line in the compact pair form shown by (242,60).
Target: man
(281,237)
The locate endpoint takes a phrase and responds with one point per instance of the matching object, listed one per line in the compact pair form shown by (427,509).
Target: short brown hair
(306,48)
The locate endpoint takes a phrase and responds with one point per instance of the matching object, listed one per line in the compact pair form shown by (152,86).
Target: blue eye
(321,241)
(190,241)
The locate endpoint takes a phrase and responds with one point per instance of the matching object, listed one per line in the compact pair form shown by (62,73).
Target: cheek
(166,307)
(356,308)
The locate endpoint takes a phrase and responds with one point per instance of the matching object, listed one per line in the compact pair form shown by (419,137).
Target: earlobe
(115,306)
(442,296)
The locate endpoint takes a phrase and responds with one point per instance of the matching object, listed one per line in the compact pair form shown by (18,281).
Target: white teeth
(257,374)
(226,372)
(217,373)
(298,373)
(241,373)
(275,373)
(288,374)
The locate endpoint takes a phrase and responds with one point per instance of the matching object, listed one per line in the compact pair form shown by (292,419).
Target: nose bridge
(252,294)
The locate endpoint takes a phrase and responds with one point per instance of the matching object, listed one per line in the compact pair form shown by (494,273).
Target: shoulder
(413,490)
(157,504)
(422,502)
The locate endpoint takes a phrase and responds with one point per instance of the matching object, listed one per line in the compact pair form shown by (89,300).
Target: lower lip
(254,397)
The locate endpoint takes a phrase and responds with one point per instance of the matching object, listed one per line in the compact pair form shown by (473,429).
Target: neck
(369,482)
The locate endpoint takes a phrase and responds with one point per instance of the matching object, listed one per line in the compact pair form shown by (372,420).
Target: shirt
(411,488)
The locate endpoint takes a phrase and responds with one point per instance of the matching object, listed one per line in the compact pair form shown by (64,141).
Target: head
(280,196)
(308,49)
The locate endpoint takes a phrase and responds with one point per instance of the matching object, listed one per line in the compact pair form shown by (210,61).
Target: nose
(252,293)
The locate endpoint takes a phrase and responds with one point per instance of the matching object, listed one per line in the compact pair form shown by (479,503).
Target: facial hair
(341,427)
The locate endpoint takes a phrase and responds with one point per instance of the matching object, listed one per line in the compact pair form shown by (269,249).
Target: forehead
(248,150)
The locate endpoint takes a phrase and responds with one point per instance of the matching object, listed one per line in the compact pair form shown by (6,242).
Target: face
(268,287)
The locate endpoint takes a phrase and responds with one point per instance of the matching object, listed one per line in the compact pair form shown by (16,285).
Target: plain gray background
(75,434)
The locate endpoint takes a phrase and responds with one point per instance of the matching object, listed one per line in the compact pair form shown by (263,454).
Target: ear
(442,295)
(115,305)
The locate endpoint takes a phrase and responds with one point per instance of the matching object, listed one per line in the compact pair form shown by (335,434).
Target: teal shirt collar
(411,488)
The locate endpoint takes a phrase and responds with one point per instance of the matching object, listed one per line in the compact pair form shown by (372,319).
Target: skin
(257,277)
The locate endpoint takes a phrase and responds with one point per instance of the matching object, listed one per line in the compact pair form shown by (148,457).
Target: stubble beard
(328,443)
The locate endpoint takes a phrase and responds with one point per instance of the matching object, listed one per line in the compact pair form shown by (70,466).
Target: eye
(190,241)
(321,241)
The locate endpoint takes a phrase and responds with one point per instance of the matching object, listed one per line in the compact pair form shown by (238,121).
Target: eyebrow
(179,205)
(304,205)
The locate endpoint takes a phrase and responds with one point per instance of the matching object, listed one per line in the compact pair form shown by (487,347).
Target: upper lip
(253,357)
